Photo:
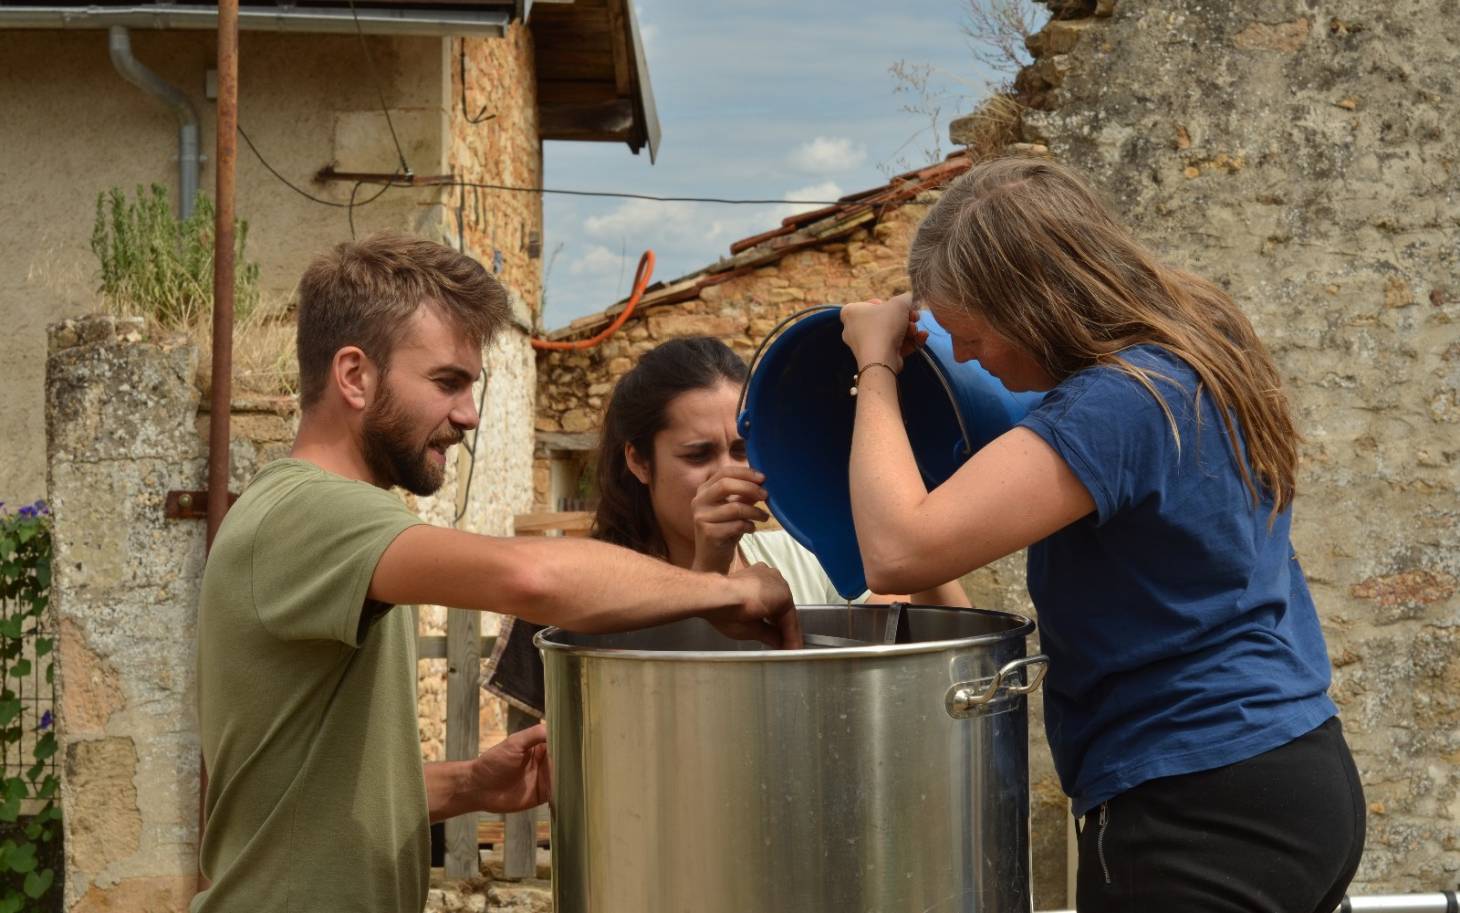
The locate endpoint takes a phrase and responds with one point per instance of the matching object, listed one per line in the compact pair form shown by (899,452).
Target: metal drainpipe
(135,72)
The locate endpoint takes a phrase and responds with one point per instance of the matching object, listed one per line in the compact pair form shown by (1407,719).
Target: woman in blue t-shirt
(1186,703)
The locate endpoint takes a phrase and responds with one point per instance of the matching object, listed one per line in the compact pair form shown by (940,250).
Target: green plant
(30,815)
(160,267)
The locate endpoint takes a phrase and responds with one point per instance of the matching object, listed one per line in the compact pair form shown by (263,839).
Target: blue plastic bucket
(798,417)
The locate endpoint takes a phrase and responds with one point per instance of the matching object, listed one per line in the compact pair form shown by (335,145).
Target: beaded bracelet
(857,378)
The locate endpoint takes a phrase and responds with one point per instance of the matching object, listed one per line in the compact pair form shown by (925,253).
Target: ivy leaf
(50,675)
(43,646)
(38,883)
(43,573)
(15,788)
(21,668)
(12,902)
(22,858)
(10,811)
(7,545)
(45,747)
(11,626)
(9,710)
(25,531)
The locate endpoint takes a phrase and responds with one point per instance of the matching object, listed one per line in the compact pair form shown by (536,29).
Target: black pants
(1278,833)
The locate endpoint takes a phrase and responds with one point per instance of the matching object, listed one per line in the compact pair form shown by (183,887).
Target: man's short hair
(362,293)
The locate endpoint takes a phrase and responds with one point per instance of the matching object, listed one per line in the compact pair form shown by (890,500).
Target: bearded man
(318,799)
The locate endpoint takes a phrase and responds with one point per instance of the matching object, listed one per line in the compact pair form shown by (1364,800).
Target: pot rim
(1021,630)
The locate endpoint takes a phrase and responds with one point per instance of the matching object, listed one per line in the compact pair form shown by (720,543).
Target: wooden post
(463,739)
(519,840)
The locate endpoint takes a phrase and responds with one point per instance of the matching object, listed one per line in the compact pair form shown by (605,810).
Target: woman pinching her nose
(1186,702)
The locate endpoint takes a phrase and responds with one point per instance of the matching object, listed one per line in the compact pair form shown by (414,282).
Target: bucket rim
(1023,626)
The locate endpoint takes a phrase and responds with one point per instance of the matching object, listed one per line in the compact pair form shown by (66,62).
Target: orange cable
(641,281)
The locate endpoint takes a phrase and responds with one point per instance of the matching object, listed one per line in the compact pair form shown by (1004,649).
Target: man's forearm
(446,790)
(579,584)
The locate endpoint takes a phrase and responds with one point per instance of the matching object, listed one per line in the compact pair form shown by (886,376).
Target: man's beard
(392,453)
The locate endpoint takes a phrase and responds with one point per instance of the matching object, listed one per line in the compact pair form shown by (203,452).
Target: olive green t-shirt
(316,790)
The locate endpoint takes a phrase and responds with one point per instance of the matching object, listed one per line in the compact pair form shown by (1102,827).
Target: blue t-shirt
(1179,628)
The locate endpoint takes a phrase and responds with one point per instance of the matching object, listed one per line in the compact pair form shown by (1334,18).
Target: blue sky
(757,99)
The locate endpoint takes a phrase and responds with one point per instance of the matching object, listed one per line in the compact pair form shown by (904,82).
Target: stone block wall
(119,421)
(501,228)
(1303,156)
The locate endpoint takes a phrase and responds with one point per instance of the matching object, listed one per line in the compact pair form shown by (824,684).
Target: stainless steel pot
(697,774)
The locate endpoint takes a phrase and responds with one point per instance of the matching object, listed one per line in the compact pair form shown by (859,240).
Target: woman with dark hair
(673,483)
(1186,703)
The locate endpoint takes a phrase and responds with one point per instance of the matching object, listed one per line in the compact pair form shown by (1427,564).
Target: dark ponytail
(636,412)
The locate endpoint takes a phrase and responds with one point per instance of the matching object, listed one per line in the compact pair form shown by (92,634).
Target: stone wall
(1303,157)
(119,421)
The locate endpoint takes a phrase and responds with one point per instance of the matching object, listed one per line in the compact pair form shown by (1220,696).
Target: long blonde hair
(1025,244)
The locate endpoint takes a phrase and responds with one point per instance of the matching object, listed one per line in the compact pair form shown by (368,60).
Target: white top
(809,583)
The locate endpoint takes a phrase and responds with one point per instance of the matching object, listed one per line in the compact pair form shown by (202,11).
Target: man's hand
(724,510)
(514,774)
(766,612)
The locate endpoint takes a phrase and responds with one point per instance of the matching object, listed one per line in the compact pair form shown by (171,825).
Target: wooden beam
(433,646)
(619,37)
(463,738)
(570,522)
(575,92)
(613,120)
(519,843)
(567,440)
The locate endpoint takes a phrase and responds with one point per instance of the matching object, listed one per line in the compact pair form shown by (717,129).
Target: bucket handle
(964,699)
(760,350)
(744,424)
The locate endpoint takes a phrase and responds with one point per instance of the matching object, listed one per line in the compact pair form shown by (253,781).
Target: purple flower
(27,511)
(46,720)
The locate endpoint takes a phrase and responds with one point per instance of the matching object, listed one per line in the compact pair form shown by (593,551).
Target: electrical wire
(639,196)
(472,466)
(477,118)
(379,89)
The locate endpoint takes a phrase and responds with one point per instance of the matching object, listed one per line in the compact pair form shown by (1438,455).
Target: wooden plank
(567,440)
(607,120)
(552,92)
(492,831)
(433,646)
(519,841)
(463,740)
(618,35)
(568,521)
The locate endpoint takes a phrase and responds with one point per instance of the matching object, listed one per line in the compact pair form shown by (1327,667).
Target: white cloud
(826,191)
(637,217)
(826,154)
(598,261)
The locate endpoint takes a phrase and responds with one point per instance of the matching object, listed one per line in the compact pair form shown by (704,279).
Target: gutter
(316,20)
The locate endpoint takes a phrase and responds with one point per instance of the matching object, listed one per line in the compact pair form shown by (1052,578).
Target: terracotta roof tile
(797,232)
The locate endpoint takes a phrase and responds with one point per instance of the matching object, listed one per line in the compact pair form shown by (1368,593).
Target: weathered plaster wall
(75,128)
(119,419)
(1303,155)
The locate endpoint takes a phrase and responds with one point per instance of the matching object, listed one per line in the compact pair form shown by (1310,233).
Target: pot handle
(964,699)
